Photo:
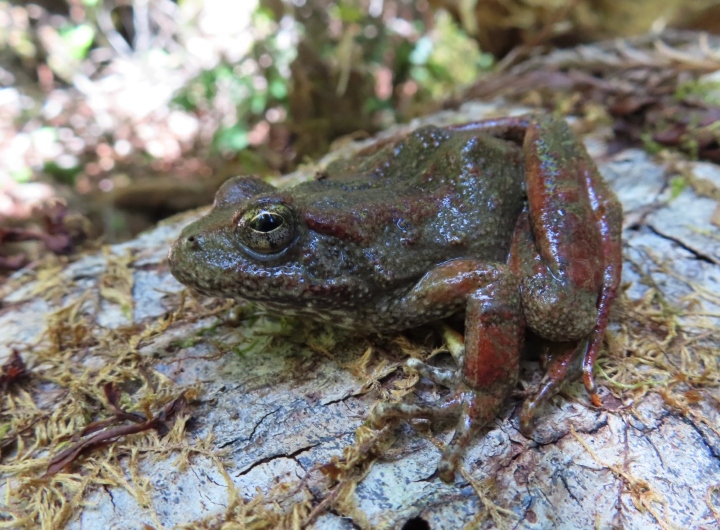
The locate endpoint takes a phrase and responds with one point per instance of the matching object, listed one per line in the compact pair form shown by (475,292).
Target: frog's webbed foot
(471,410)
(563,362)
(440,376)
(487,357)
(450,406)
(447,377)
(472,406)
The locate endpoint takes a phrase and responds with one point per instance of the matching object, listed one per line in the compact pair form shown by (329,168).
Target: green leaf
(422,51)
(231,138)
(258,103)
(420,74)
(184,101)
(66,175)
(278,88)
(21,175)
(706,90)
(263,16)
(78,40)
(439,72)
(485,61)
(348,14)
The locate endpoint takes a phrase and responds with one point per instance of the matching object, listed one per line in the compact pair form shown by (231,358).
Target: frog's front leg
(494,332)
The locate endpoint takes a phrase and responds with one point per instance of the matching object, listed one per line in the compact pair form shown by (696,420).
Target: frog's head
(243,246)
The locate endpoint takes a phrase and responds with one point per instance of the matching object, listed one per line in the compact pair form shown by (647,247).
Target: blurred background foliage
(131,110)
(151,96)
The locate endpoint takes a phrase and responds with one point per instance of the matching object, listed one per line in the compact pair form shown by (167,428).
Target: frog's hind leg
(562,362)
(488,371)
(569,250)
(578,221)
(608,217)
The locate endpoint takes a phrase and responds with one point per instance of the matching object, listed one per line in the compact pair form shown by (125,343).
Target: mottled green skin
(505,220)
(368,229)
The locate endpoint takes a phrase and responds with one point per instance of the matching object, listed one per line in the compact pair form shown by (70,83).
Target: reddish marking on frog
(491,365)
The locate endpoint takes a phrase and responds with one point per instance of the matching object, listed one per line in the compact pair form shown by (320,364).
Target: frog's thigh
(560,250)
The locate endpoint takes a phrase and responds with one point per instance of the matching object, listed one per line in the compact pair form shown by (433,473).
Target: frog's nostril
(193,242)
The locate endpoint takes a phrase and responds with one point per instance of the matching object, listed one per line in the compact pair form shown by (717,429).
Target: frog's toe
(527,414)
(382,412)
(440,376)
(564,363)
(472,410)
(447,377)
(465,430)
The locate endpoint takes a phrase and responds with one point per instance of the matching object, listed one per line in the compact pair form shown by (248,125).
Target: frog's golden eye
(267,228)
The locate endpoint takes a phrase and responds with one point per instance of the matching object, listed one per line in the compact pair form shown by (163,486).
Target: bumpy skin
(507,220)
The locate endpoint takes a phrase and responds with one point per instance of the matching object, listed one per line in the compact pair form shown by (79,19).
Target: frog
(506,220)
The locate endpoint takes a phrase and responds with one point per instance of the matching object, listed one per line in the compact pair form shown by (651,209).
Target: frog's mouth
(182,273)
(190,266)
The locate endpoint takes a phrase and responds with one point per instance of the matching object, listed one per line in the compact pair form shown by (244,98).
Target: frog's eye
(267,228)
(266,222)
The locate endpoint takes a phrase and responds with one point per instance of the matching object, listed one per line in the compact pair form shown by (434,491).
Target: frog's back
(437,195)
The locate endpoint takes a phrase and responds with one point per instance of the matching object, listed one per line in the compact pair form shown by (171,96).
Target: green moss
(677,185)
(699,89)
(650,145)
(187,342)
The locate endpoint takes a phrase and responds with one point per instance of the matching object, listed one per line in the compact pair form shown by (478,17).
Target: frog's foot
(472,410)
(487,355)
(594,348)
(563,362)
(447,377)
